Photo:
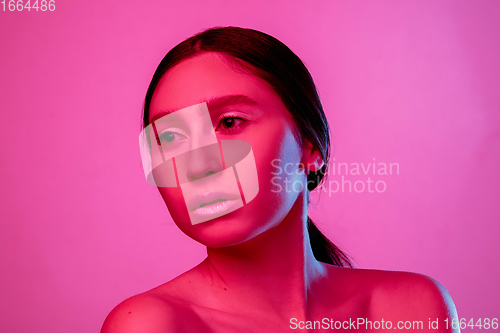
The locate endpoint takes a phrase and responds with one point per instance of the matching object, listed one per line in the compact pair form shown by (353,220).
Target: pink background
(408,82)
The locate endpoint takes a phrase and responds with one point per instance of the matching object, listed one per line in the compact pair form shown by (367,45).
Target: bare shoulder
(394,296)
(166,308)
(151,312)
(141,313)
(412,297)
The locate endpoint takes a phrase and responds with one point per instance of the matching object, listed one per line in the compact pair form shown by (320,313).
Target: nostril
(192,176)
(199,163)
(209,173)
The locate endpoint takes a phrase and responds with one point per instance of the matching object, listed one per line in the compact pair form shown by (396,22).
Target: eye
(170,137)
(229,124)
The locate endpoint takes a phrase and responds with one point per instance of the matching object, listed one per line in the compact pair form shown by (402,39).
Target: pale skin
(260,271)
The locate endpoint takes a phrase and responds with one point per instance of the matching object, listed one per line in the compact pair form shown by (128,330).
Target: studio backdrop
(410,89)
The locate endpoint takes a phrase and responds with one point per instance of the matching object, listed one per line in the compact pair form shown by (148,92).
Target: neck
(272,272)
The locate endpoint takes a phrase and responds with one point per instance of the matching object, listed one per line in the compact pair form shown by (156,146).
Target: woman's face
(241,107)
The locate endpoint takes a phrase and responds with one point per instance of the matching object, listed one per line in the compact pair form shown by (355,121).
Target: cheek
(278,160)
(176,205)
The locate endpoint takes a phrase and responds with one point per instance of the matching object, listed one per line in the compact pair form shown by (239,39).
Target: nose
(199,163)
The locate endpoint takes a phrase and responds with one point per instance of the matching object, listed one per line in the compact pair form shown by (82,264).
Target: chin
(227,230)
(230,229)
(262,213)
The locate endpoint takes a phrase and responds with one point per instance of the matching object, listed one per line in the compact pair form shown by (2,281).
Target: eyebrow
(214,103)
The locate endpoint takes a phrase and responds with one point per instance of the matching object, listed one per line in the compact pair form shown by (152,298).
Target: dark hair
(271,60)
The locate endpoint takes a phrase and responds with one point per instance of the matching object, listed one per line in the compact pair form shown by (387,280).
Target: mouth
(214,207)
(212,203)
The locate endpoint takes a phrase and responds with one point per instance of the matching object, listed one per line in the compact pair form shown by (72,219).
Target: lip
(215,208)
(212,203)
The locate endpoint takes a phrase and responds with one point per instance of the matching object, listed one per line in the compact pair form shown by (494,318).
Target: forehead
(204,77)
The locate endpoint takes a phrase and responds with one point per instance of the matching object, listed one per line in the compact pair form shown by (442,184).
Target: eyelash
(228,130)
(163,135)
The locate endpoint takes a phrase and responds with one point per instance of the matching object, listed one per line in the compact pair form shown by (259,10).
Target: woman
(232,97)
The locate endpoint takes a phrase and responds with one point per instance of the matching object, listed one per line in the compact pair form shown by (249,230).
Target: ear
(312,157)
